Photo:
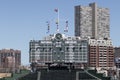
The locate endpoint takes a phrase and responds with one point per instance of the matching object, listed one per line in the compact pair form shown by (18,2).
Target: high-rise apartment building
(92,21)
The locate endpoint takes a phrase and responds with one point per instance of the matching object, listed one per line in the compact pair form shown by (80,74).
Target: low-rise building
(59,49)
(117,60)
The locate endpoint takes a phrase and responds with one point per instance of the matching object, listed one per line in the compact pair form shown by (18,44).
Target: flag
(56,10)
(66,30)
(57,21)
(48,29)
(66,21)
(57,29)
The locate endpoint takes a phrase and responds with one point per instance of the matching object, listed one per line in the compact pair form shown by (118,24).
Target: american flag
(66,30)
(56,10)
(48,24)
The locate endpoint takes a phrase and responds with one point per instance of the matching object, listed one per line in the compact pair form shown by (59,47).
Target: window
(37,49)
(73,49)
(50,49)
(80,48)
(60,49)
(67,49)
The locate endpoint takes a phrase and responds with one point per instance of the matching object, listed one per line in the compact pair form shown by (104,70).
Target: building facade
(101,53)
(59,48)
(92,21)
(117,52)
(117,56)
(10,59)
(117,61)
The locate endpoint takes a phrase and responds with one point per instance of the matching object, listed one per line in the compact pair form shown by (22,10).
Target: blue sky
(23,20)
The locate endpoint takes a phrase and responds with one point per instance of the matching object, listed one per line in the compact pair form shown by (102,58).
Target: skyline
(22,21)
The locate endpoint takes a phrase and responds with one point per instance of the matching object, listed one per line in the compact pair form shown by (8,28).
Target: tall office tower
(92,21)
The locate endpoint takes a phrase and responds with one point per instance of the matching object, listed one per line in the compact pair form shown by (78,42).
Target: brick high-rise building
(92,21)
(10,59)
(101,53)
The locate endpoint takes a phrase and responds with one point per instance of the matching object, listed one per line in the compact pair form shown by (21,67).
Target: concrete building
(59,49)
(117,61)
(117,64)
(117,52)
(101,54)
(92,21)
(117,56)
(10,59)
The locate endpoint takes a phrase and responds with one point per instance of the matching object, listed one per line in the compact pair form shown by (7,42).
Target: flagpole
(58,21)
(58,16)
